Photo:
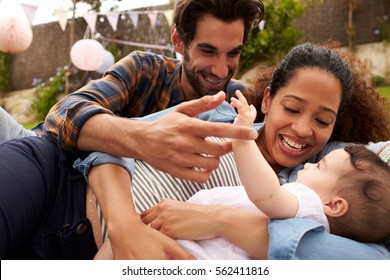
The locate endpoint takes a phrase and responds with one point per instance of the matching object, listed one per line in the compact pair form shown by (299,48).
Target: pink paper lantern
(108,61)
(15,34)
(87,54)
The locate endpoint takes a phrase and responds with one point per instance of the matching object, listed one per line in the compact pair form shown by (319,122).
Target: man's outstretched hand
(178,144)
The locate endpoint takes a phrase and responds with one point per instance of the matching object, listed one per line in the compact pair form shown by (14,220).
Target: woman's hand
(137,241)
(182,220)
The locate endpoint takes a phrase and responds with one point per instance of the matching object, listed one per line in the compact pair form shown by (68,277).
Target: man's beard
(194,80)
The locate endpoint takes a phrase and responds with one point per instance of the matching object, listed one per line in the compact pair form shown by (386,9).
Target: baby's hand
(246,113)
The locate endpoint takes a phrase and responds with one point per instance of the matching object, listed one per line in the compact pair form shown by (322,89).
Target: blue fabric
(42,208)
(97,158)
(304,239)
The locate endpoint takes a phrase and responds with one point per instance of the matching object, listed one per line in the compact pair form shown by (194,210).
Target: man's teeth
(213,80)
(290,144)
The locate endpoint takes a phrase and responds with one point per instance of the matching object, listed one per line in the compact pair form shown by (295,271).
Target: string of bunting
(113,17)
(136,44)
(90,17)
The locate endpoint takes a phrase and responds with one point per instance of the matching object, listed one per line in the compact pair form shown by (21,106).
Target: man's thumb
(195,107)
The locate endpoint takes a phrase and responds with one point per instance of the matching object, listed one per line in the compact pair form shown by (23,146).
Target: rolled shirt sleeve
(97,158)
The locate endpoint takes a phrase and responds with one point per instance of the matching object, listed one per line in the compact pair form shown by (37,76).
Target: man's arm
(175,144)
(87,120)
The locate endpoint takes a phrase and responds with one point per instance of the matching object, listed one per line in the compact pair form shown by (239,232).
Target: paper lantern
(15,33)
(108,61)
(87,54)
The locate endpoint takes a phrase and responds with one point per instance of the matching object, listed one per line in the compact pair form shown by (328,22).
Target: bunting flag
(169,16)
(113,19)
(134,18)
(30,11)
(62,15)
(153,18)
(91,18)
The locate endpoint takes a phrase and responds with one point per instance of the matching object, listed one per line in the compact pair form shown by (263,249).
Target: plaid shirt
(140,84)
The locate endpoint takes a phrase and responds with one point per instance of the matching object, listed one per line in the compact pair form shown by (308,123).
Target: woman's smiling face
(299,119)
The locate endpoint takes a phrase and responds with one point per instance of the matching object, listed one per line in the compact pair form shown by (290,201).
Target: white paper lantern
(262,25)
(108,61)
(15,33)
(87,54)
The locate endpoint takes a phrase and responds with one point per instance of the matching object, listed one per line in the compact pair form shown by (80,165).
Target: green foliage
(385,91)
(378,81)
(115,50)
(47,94)
(4,71)
(30,125)
(278,35)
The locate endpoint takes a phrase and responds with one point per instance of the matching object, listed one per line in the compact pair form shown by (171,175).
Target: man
(210,42)
(209,34)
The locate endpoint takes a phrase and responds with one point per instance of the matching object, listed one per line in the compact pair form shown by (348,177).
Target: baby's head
(354,186)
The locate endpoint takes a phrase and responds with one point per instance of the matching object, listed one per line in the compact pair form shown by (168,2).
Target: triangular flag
(134,18)
(153,18)
(91,18)
(169,16)
(113,19)
(62,15)
(30,11)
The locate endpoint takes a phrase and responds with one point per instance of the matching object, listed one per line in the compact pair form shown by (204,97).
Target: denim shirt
(294,238)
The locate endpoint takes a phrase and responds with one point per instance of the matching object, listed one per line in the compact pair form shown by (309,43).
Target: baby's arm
(259,179)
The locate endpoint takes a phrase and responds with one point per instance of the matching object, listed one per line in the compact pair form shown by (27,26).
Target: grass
(385,91)
(30,125)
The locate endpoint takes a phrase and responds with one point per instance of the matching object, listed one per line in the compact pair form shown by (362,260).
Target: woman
(172,217)
(331,192)
(302,111)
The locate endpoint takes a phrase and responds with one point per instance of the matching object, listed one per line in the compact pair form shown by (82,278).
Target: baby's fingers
(241,97)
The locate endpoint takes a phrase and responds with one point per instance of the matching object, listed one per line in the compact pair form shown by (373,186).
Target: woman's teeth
(290,144)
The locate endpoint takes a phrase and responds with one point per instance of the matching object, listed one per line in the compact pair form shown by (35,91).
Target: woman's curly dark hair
(363,117)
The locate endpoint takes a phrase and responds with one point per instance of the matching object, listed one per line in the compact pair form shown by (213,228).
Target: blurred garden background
(40,61)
